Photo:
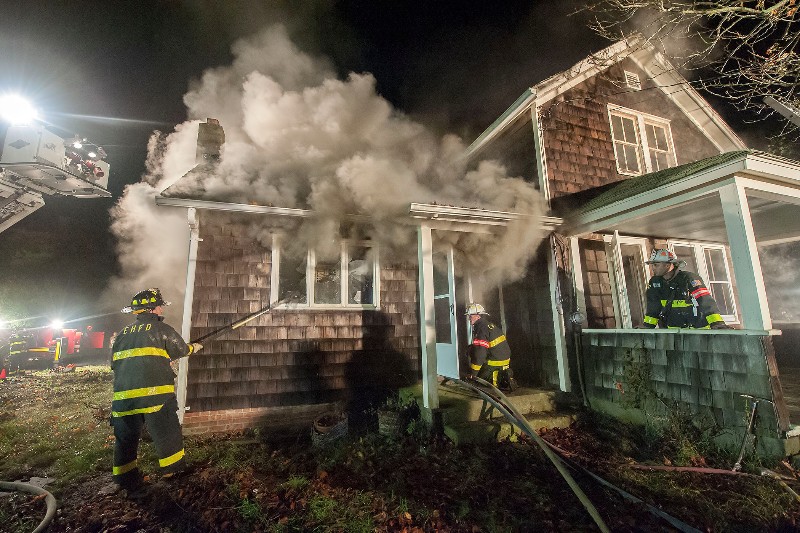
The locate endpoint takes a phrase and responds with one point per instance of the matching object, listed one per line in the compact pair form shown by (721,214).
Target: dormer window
(632,81)
(642,143)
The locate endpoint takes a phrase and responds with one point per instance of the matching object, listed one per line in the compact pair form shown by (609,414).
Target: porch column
(557,309)
(744,256)
(427,325)
(188,298)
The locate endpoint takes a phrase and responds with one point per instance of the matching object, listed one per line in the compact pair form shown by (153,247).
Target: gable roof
(657,67)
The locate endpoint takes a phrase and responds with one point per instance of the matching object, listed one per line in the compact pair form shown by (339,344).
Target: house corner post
(188,297)
(557,308)
(744,256)
(427,325)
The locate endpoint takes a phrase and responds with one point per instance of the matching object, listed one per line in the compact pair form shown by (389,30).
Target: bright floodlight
(57,324)
(77,144)
(17,110)
(92,155)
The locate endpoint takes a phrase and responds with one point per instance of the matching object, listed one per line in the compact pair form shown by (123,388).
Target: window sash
(330,284)
(637,152)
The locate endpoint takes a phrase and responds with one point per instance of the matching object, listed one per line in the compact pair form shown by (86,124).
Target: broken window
(642,143)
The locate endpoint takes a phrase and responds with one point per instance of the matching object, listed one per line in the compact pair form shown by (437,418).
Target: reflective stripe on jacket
(692,304)
(489,345)
(143,378)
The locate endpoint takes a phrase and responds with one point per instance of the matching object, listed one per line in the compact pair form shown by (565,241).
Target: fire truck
(44,348)
(38,159)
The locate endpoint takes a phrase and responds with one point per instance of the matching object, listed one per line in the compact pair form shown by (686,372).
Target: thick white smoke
(296,136)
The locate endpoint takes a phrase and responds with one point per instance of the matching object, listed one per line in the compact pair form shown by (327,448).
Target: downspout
(186,326)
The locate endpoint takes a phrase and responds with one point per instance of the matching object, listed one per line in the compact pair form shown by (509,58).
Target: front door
(444,299)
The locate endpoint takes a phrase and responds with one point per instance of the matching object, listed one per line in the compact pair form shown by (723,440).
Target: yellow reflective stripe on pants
(139,352)
(142,411)
(475,367)
(119,470)
(174,458)
(504,362)
(145,391)
(497,341)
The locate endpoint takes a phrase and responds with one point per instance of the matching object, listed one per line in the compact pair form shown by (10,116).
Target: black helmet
(144,300)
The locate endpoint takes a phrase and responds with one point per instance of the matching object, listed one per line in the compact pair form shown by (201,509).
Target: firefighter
(144,390)
(677,298)
(490,355)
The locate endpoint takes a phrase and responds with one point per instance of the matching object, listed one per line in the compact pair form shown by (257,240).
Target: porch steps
(468,418)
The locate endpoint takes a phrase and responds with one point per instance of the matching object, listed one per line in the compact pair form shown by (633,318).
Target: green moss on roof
(647,182)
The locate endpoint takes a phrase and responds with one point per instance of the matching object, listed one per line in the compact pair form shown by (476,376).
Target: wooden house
(628,156)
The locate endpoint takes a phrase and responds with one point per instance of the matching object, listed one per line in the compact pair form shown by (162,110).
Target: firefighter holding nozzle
(144,389)
(489,352)
(677,298)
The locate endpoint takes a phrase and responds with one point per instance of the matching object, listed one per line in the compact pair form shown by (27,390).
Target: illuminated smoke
(296,136)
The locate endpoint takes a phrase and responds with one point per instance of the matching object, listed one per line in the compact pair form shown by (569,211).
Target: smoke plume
(296,136)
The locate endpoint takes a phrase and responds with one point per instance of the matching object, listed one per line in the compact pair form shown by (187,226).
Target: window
(307,279)
(638,153)
(710,261)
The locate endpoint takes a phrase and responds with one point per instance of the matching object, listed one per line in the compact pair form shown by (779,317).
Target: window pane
(616,128)
(661,138)
(327,286)
(629,129)
(292,279)
(441,311)
(360,276)
(722,294)
(686,253)
(631,158)
(715,262)
(659,160)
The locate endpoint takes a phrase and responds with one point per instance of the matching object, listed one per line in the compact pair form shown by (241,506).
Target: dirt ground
(364,482)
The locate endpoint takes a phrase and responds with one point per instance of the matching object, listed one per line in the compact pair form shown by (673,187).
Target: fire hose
(49,499)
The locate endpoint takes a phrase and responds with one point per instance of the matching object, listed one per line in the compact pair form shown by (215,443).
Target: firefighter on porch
(490,354)
(677,298)
(144,389)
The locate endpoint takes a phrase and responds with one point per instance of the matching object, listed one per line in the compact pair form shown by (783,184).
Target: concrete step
(461,405)
(494,430)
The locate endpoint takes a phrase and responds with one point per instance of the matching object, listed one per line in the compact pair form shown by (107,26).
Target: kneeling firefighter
(144,389)
(490,354)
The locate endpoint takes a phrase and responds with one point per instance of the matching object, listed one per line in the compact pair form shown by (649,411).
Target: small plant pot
(328,428)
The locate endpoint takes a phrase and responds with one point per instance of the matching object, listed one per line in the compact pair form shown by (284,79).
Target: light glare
(17,110)
(57,324)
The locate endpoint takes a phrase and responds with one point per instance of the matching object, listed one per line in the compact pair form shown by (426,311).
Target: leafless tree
(743,50)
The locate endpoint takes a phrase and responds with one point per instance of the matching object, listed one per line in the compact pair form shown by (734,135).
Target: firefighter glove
(196,347)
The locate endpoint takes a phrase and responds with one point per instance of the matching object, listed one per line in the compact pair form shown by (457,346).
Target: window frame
(640,122)
(698,251)
(311,266)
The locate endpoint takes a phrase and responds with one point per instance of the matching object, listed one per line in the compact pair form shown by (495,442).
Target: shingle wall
(706,371)
(577,132)
(288,358)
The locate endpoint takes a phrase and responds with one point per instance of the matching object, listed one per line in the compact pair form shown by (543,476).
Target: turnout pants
(164,428)
(499,375)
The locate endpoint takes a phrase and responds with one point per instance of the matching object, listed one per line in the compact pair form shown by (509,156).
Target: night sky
(453,66)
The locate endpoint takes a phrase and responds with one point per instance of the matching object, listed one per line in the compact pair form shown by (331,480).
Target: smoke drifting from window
(296,136)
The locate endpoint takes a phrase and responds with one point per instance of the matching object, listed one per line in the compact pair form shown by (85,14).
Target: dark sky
(454,66)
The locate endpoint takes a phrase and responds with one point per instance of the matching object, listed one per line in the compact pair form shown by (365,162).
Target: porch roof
(683,202)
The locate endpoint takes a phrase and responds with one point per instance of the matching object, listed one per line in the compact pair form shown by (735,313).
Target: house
(628,158)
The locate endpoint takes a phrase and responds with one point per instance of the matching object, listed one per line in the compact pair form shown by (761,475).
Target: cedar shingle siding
(290,357)
(577,134)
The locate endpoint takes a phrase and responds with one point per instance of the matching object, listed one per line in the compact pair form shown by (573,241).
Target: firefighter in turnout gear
(490,355)
(678,298)
(144,389)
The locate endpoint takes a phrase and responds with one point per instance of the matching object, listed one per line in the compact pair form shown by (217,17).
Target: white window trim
(640,121)
(311,264)
(700,260)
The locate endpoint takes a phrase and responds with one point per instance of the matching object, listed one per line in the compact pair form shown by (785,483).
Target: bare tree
(743,50)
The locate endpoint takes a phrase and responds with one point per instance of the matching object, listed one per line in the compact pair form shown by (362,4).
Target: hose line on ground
(49,499)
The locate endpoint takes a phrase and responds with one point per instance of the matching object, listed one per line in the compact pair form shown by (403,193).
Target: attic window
(308,279)
(642,143)
(632,81)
